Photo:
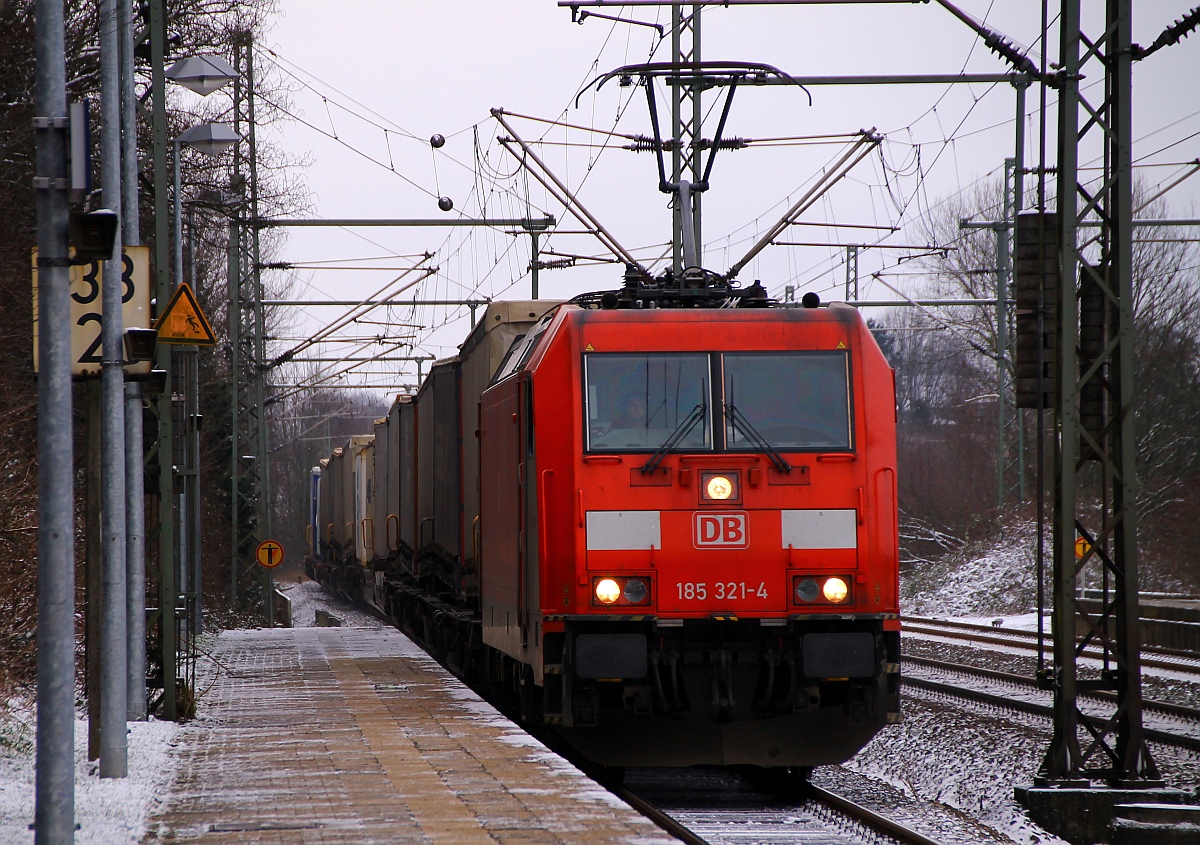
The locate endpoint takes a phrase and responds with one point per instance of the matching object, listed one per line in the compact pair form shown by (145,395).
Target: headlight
(719,487)
(622,591)
(821,590)
(607,591)
(635,591)
(835,590)
(806,590)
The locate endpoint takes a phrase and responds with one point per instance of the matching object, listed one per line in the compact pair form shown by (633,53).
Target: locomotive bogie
(721,692)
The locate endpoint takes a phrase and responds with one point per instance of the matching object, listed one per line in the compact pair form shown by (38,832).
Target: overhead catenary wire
(364,307)
(504,260)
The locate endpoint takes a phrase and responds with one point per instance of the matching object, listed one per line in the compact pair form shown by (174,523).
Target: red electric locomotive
(664,529)
(690,534)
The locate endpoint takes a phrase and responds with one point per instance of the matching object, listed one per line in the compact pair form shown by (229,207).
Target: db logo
(726,530)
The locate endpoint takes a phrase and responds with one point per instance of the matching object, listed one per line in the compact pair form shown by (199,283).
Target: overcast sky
(372,81)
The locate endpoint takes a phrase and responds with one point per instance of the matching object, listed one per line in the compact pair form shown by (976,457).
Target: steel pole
(135,555)
(114,754)
(533,264)
(167,591)
(130,222)
(193,428)
(1018,207)
(1002,340)
(135,487)
(259,353)
(176,217)
(235,322)
(184,373)
(54,808)
(1063,762)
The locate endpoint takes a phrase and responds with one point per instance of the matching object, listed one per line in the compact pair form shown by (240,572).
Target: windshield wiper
(680,432)
(739,420)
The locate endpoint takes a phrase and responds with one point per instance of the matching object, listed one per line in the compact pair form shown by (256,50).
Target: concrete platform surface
(353,735)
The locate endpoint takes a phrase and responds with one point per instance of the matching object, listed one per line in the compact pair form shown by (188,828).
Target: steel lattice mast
(1093,412)
(250,512)
(686,116)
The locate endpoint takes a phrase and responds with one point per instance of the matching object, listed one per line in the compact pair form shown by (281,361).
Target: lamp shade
(202,74)
(209,138)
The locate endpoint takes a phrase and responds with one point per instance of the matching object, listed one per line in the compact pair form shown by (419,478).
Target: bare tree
(946,364)
(193,26)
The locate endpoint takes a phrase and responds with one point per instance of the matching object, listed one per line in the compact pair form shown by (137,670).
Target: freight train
(658,522)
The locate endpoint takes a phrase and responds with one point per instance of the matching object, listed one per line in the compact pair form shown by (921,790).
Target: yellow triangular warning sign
(184,322)
(589,348)
(841,344)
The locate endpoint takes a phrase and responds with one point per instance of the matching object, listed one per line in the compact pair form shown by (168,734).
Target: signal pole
(54,812)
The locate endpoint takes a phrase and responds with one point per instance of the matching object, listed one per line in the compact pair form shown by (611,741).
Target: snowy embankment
(109,810)
(953,758)
(113,811)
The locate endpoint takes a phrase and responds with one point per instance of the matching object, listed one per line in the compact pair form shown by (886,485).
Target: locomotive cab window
(641,401)
(789,400)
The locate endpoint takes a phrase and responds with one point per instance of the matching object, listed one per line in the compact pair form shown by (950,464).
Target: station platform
(355,735)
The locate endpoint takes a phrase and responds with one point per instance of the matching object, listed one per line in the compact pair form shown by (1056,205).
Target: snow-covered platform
(355,735)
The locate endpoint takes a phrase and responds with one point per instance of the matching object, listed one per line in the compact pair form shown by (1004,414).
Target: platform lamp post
(211,139)
(203,75)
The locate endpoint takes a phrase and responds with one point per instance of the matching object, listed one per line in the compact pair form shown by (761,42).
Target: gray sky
(360,67)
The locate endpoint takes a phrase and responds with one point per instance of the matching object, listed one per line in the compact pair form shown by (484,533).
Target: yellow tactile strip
(354,735)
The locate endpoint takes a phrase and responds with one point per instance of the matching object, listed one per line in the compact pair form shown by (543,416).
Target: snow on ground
(1020,622)
(982,580)
(964,762)
(113,811)
(308,596)
(109,810)
(967,762)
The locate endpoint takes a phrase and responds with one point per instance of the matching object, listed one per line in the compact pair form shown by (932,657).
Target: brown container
(439,465)
(321,549)
(334,527)
(347,511)
(384,546)
(362,466)
(404,417)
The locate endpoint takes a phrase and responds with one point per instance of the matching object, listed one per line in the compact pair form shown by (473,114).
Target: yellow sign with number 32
(87,313)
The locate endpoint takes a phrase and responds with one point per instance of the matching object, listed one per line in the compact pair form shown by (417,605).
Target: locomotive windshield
(785,401)
(636,401)
(793,400)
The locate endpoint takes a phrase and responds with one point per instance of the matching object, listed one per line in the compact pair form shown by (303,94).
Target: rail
(839,806)
(1007,700)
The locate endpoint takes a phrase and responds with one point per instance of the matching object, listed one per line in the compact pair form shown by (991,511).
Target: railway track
(1169,724)
(722,807)
(986,635)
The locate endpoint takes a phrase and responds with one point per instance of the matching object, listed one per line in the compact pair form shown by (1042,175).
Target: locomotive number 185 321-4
(720,590)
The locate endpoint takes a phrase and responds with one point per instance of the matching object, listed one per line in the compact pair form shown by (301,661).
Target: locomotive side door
(502,515)
(529,592)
